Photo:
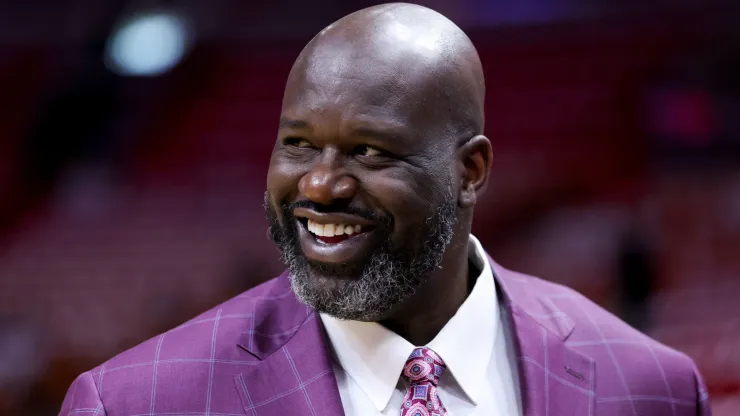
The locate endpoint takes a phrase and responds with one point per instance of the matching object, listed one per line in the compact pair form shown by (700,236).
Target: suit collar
(297,378)
(278,316)
(294,374)
(539,307)
(553,378)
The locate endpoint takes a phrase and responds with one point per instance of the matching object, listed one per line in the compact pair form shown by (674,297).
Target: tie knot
(424,366)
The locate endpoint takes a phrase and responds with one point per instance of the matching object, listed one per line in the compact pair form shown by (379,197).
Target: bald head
(398,54)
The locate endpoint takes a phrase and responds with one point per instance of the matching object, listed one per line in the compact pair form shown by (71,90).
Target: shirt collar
(374,356)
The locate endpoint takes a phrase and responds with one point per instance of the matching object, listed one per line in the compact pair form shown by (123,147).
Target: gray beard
(387,278)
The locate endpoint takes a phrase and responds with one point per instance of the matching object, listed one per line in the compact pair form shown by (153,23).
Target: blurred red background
(129,204)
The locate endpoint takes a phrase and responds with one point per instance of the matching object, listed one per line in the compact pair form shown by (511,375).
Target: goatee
(366,291)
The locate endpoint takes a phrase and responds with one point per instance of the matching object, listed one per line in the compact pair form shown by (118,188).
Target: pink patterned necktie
(423,370)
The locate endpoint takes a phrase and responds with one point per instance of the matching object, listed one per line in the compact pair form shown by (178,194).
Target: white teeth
(331,230)
(316,228)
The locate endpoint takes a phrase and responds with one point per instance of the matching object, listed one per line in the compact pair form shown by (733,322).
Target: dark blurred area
(135,138)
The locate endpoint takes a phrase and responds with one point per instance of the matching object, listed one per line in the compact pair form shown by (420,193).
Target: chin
(342,297)
(329,284)
(333,273)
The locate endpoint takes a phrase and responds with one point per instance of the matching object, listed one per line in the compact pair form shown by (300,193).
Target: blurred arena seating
(177,224)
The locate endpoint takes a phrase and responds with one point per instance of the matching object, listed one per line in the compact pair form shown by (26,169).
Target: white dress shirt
(481,376)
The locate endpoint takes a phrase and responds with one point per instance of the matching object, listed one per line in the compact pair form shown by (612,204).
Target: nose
(327,181)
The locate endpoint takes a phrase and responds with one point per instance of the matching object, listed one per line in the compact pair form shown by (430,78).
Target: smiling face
(363,185)
(361,202)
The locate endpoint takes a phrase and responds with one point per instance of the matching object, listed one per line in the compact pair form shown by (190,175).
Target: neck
(420,318)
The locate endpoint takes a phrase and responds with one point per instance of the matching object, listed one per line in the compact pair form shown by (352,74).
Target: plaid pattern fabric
(575,358)
(261,353)
(264,353)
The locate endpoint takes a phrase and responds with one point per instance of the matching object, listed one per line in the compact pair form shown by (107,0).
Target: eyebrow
(287,123)
(383,134)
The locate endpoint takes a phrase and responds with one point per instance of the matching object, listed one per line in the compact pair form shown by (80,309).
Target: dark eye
(297,142)
(366,150)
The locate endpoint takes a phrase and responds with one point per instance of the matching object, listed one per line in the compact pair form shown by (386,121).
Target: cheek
(282,182)
(409,201)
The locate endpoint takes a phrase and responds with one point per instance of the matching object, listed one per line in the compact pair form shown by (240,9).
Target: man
(389,305)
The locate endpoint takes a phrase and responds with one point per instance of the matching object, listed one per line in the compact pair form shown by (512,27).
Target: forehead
(350,82)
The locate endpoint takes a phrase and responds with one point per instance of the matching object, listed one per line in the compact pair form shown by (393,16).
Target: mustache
(368,214)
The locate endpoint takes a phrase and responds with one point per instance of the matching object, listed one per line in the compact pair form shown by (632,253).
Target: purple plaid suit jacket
(265,353)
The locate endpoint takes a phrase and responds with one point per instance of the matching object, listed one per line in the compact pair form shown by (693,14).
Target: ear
(474,158)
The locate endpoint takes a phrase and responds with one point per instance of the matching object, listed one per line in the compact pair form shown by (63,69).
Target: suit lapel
(294,373)
(554,379)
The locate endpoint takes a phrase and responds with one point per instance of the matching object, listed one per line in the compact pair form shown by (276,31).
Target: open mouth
(335,237)
(333,233)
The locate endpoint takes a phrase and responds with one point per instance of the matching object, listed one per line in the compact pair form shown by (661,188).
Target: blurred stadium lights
(148,44)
